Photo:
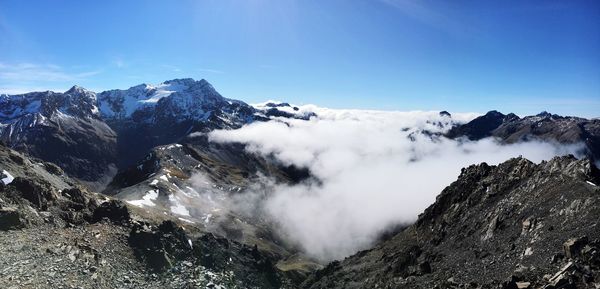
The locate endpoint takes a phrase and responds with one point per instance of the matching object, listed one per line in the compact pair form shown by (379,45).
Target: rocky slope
(212,186)
(515,225)
(544,126)
(55,234)
(63,128)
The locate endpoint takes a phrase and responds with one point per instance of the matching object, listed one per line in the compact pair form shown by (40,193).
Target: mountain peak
(186,81)
(76,89)
(544,114)
(494,113)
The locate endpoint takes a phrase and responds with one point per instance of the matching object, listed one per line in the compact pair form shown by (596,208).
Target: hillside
(515,224)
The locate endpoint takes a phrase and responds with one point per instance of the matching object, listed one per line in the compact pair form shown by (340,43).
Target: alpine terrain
(129,189)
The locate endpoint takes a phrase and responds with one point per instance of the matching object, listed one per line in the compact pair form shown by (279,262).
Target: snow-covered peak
(77,101)
(120,104)
(76,89)
(176,99)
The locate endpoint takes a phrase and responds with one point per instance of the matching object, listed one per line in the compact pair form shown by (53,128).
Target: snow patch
(177,207)
(207,218)
(7,178)
(186,220)
(147,200)
(173,146)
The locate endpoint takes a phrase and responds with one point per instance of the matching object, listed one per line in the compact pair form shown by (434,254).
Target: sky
(460,56)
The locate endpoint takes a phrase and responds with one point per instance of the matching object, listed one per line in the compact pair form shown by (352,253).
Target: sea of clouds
(376,169)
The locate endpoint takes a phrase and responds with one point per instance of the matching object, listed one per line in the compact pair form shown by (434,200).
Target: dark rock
(159,246)
(272,104)
(509,285)
(250,265)
(445,113)
(113,210)
(75,195)
(53,169)
(38,193)
(16,158)
(573,247)
(480,127)
(11,219)
(544,126)
(158,260)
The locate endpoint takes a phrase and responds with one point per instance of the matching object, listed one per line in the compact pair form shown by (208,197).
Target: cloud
(119,63)
(26,89)
(30,72)
(376,170)
(210,70)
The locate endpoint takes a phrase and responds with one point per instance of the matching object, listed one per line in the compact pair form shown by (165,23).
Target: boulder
(10,219)
(53,169)
(38,193)
(159,246)
(573,246)
(113,210)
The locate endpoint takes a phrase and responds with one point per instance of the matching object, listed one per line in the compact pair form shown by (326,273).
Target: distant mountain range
(92,135)
(124,168)
(545,126)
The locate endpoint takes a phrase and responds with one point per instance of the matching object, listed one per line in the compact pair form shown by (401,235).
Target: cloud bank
(376,169)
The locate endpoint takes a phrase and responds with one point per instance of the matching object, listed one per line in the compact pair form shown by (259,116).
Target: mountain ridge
(115,128)
(504,224)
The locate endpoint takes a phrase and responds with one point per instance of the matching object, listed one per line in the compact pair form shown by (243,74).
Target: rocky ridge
(543,127)
(515,225)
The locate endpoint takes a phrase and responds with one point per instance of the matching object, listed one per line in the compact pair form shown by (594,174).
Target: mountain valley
(161,186)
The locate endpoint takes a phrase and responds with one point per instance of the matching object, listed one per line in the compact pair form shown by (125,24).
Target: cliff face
(508,225)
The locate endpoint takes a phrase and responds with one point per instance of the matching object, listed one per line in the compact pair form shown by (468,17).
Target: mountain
(92,135)
(63,128)
(515,225)
(124,188)
(54,233)
(174,100)
(544,126)
(146,116)
(197,182)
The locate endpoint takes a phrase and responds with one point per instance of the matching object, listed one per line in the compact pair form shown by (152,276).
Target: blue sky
(513,56)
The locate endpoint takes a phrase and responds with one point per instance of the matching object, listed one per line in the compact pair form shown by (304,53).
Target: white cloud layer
(376,170)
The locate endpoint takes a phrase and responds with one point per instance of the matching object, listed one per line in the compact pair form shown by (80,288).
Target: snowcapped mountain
(85,133)
(64,128)
(76,101)
(174,100)
(146,116)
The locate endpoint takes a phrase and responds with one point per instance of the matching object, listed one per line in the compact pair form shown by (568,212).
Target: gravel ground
(90,256)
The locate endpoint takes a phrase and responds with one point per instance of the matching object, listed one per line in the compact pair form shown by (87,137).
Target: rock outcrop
(515,225)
